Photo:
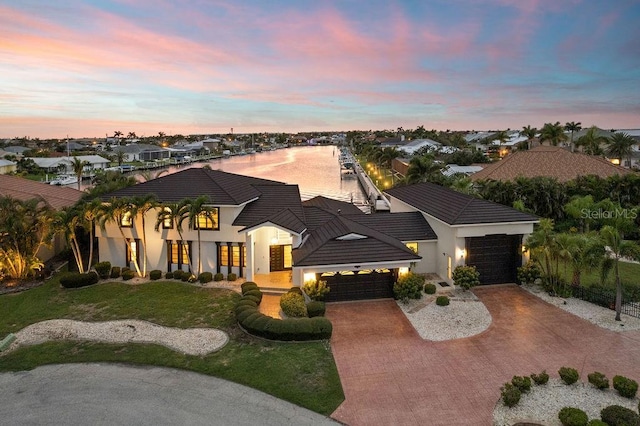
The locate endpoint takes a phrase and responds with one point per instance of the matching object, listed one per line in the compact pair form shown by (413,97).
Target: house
(550,161)
(64,164)
(7,166)
(142,152)
(258,227)
(58,197)
(470,231)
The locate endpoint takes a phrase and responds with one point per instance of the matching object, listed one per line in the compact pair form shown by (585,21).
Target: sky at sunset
(89,68)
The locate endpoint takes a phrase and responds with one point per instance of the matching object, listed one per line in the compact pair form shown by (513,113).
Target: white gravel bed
(542,403)
(191,341)
(465,316)
(595,314)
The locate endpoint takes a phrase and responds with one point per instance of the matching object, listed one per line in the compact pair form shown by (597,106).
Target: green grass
(629,274)
(302,373)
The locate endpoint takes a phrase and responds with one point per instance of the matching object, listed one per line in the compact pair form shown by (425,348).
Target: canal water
(315,169)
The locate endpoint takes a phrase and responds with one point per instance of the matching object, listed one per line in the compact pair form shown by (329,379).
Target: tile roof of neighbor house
(278,204)
(332,205)
(455,208)
(25,189)
(550,161)
(222,188)
(332,244)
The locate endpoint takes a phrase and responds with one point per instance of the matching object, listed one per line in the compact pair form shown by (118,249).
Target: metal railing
(606,298)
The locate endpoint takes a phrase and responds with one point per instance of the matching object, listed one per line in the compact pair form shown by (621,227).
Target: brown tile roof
(25,189)
(550,161)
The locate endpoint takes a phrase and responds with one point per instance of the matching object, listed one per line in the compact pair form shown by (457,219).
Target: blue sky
(89,68)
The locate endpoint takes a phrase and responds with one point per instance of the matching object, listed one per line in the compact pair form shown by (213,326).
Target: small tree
(315,289)
(466,277)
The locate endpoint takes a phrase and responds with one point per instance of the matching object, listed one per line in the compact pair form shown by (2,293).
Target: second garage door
(496,257)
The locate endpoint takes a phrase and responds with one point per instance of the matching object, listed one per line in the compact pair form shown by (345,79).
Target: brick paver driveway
(393,377)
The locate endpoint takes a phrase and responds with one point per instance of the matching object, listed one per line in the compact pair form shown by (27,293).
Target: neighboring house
(7,166)
(57,197)
(417,144)
(470,231)
(261,226)
(14,149)
(142,152)
(550,161)
(64,164)
(454,169)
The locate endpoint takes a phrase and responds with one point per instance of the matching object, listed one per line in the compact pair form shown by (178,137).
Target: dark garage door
(496,257)
(359,285)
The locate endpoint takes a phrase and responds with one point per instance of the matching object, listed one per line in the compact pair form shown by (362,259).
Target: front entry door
(280,257)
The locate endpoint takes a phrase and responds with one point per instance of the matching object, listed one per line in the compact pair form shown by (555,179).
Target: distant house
(549,161)
(7,166)
(454,169)
(64,164)
(142,152)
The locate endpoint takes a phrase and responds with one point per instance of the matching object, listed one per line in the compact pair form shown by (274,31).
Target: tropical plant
(175,214)
(545,251)
(141,205)
(195,209)
(423,169)
(466,277)
(573,127)
(591,142)
(112,212)
(69,220)
(553,133)
(530,133)
(78,165)
(148,175)
(315,289)
(620,146)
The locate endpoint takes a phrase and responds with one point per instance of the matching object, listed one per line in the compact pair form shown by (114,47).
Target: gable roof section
(334,206)
(25,189)
(278,204)
(323,246)
(550,161)
(455,208)
(408,226)
(222,188)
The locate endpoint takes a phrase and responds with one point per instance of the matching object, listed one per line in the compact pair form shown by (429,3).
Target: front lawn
(629,274)
(302,373)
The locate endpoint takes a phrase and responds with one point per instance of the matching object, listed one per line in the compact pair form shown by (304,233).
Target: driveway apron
(391,376)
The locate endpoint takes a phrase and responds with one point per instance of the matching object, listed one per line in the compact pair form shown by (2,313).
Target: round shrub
(169,275)
(625,386)
(529,273)
(177,275)
(156,274)
(430,288)
(243,308)
(570,416)
(232,277)
(316,289)
(205,277)
(296,290)
(616,415)
(243,315)
(115,272)
(522,383)
(292,304)
(128,274)
(77,280)
(218,277)
(185,276)
(568,375)
(322,327)
(409,286)
(466,277)
(540,379)
(248,285)
(103,269)
(315,308)
(596,422)
(257,293)
(442,301)
(253,297)
(510,395)
(598,380)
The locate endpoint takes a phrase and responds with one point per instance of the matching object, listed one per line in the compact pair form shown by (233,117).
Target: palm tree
(120,157)
(573,127)
(193,211)
(148,175)
(117,135)
(619,248)
(620,146)
(78,165)
(113,211)
(68,219)
(423,169)
(591,141)
(530,133)
(141,205)
(554,133)
(578,208)
(132,135)
(175,214)
(90,213)
(545,251)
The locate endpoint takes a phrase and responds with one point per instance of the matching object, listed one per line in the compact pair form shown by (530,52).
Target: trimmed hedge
(571,416)
(292,304)
(248,285)
(115,272)
(430,288)
(232,277)
(442,301)
(315,308)
(128,274)
(625,386)
(103,269)
(154,275)
(617,415)
(596,422)
(169,275)
(290,329)
(218,277)
(568,375)
(77,280)
(205,277)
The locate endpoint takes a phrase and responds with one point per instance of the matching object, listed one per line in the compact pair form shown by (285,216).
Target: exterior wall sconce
(403,271)
(462,253)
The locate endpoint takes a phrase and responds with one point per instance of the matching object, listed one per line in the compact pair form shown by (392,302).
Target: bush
(128,274)
(232,277)
(296,290)
(315,308)
(77,280)
(218,277)
(522,383)
(568,375)
(570,416)
(103,269)
(177,275)
(169,275)
(616,415)
(598,380)
(408,286)
(316,290)
(293,305)
(255,292)
(466,277)
(529,273)
(596,422)
(156,274)
(115,272)
(248,286)
(625,387)
(430,288)
(510,395)
(442,301)
(540,379)
(205,277)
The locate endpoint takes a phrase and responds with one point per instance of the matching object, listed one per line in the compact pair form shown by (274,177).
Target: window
(224,255)
(167,222)
(126,220)
(180,253)
(133,252)
(208,220)
(413,247)
(235,255)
